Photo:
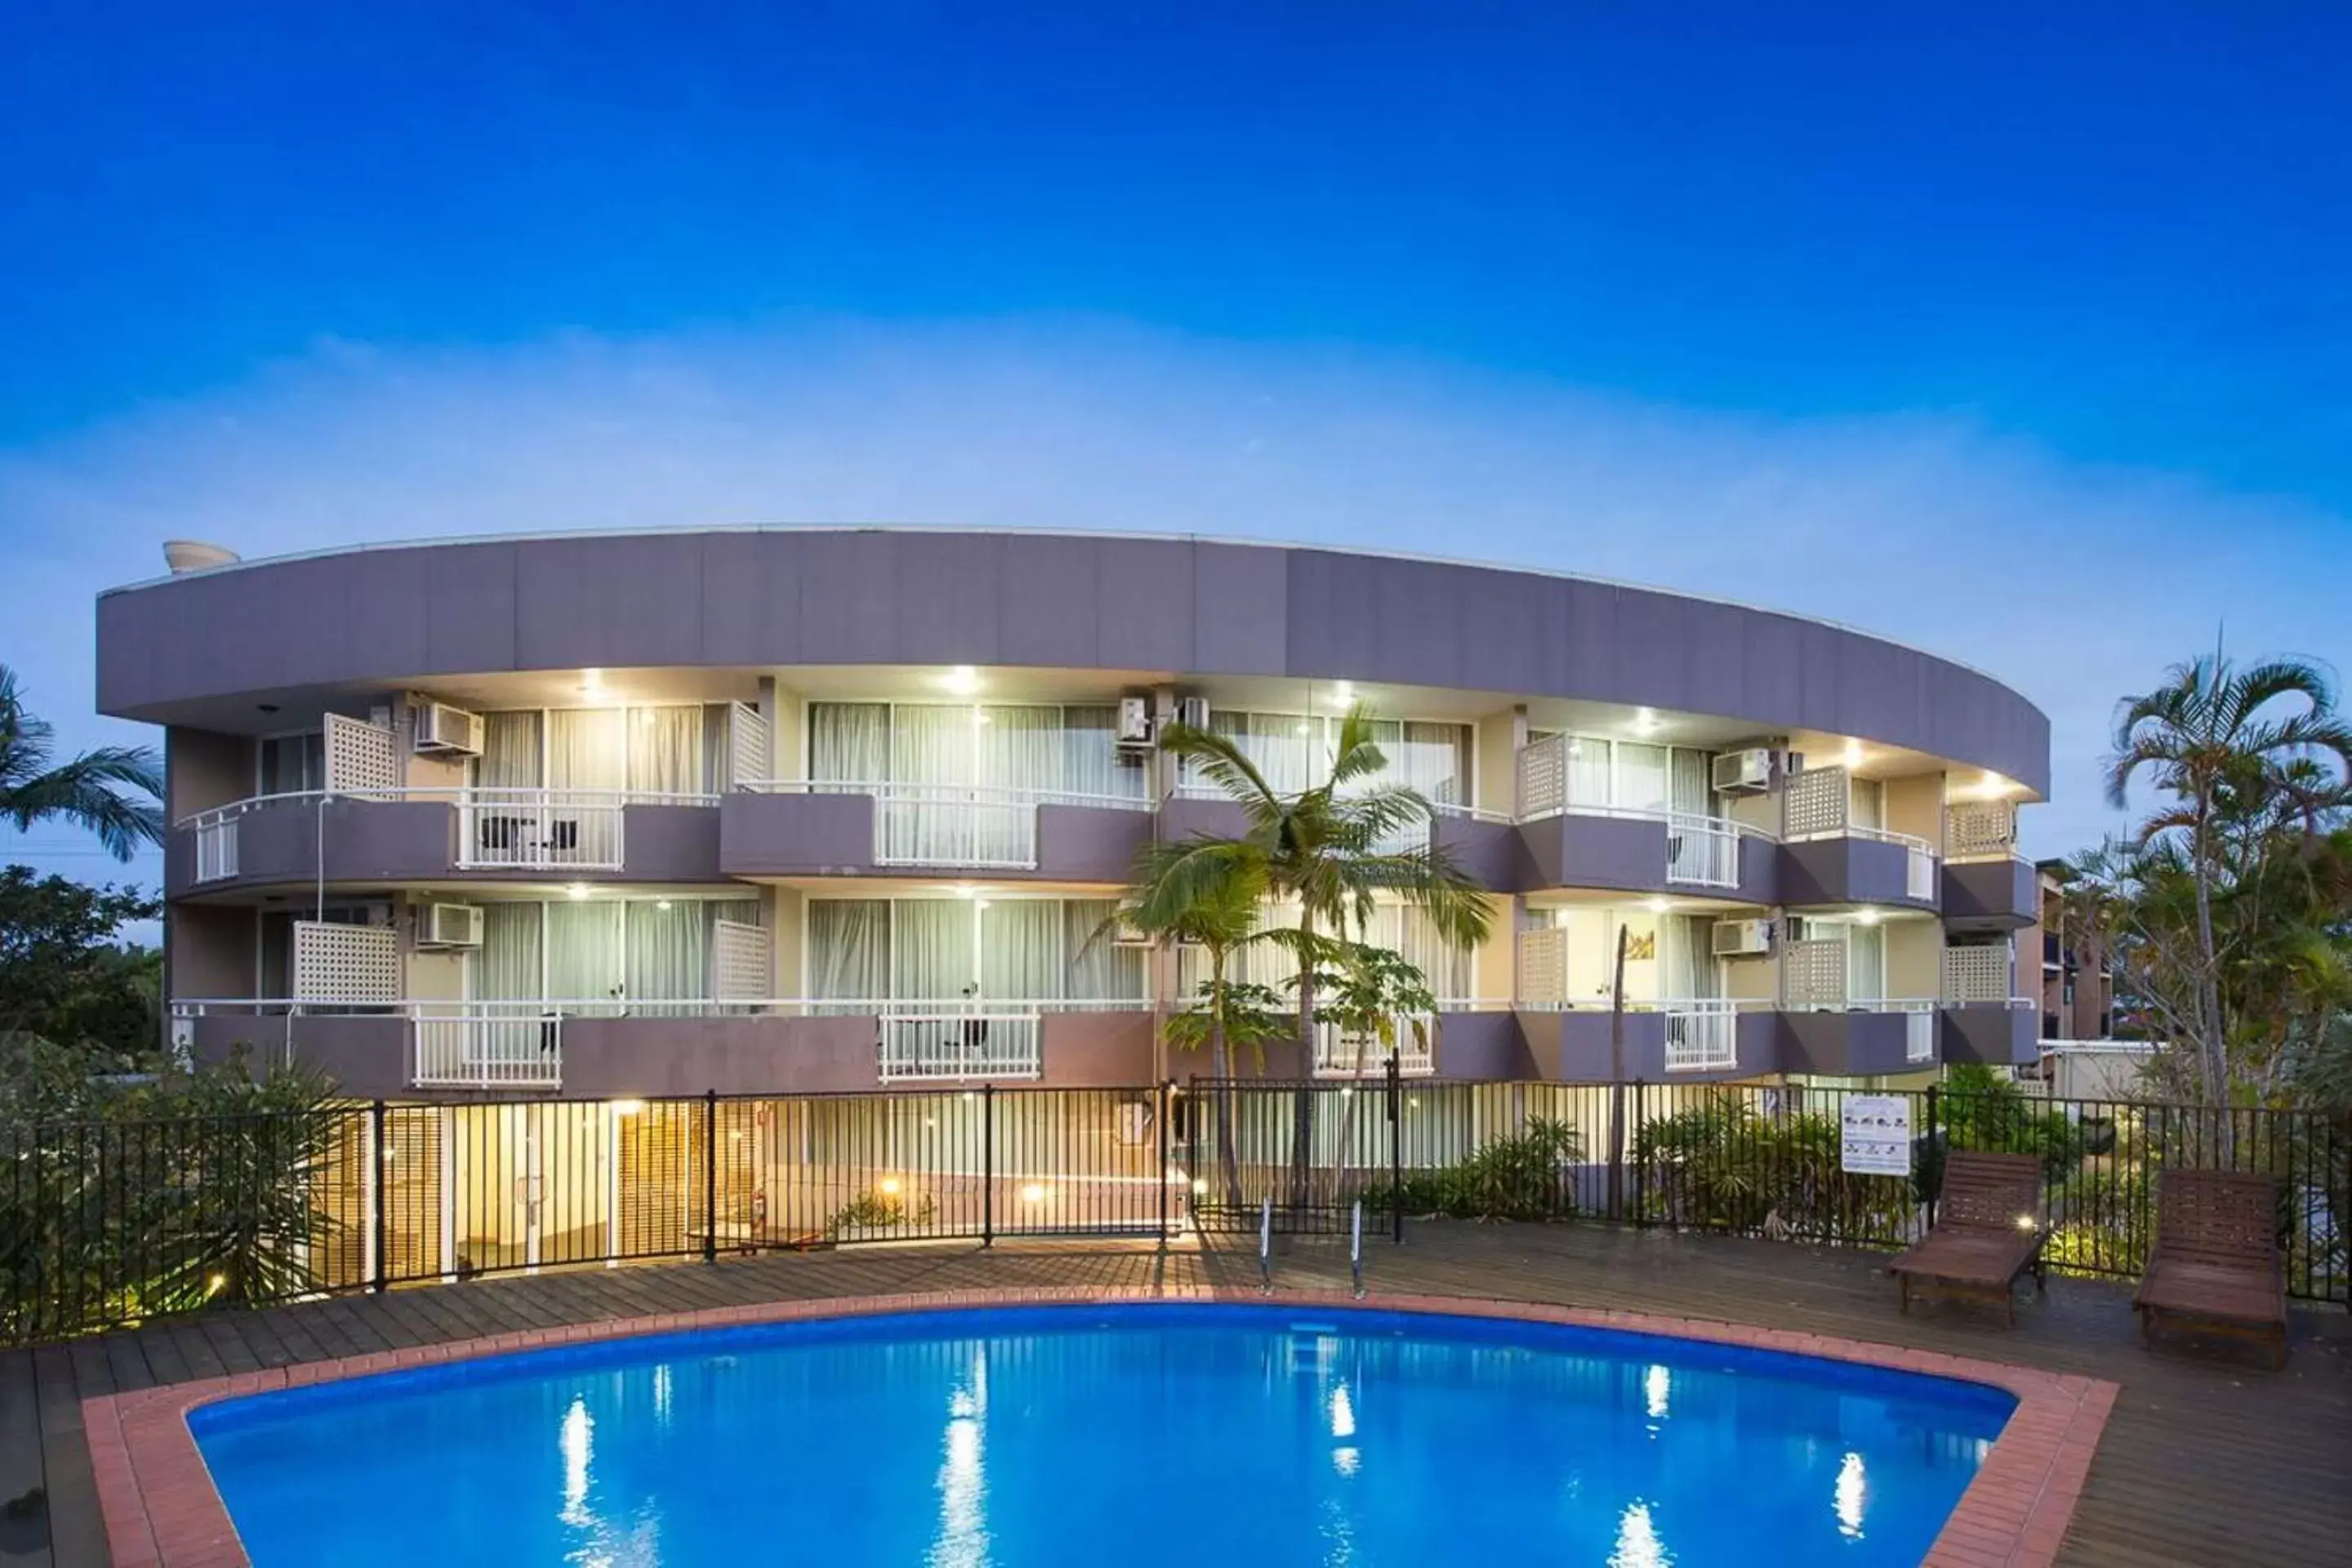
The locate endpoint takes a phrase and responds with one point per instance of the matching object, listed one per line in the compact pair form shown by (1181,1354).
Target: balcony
(1858,866)
(604,1049)
(436,834)
(1569,841)
(1342,1054)
(1696,1040)
(1867,1038)
(796,829)
(1995,1034)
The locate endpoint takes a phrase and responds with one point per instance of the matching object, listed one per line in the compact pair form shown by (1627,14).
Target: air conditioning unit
(1742,939)
(451,925)
(1193,713)
(1125,935)
(443,731)
(1743,772)
(1135,720)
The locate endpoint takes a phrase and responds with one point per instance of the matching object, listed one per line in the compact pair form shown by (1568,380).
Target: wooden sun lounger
(2216,1261)
(1988,1231)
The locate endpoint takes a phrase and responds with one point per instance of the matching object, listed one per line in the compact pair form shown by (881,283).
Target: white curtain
(1641,776)
(508,968)
(668,954)
(1588,771)
(1090,763)
(510,755)
(931,744)
(849,948)
(849,743)
(930,949)
(1865,963)
(1103,971)
(1283,747)
(1434,759)
(1021,956)
(1409,933)
(583,953)
(664,747)
(1018,748)
(587,748)
(1865,803)
(1686,966)
(1693,787)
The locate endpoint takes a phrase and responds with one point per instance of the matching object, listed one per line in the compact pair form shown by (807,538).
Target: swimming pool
(1130,1434)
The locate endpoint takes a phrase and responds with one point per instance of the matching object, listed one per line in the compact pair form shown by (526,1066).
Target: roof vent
(183,555)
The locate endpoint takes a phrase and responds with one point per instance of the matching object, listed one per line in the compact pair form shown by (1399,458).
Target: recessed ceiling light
(1345,690)
(1865,916)
(963,680)
(1854,754)
(576,891)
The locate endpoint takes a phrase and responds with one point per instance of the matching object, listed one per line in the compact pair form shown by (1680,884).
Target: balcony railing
(486,1046)
(1702,1035)
(975,828)
(1702,851)
(1340,1054)
(498,828)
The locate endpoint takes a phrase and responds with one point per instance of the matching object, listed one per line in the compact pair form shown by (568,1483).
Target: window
(602,956)
(666,749)
(1402,930)
(1054,750)
(294,764)
(1294,752)
(940,950)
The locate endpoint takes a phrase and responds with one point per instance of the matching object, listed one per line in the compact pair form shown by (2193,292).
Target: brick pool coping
(163,1511)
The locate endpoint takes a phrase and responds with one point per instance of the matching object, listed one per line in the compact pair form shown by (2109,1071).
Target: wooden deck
(2207,1459)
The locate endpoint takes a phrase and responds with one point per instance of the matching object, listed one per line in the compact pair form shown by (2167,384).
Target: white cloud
(2071,584)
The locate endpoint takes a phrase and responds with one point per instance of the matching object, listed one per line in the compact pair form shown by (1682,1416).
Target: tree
(1335,847)
(1208,898)
(115,792)
(64,979)
(2237,770)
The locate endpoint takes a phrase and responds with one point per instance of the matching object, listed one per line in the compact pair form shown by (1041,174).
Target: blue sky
(2042,309)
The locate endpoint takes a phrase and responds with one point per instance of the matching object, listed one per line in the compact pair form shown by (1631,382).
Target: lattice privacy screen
(1543,776)
(360,756)
(1543,966)
(1812,973)
(1977,973)
(1814,802)
(1980,827)
(345,963)
(751,755)
(740,962)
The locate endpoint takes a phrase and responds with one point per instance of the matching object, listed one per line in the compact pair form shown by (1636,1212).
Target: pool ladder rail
(1265,1247)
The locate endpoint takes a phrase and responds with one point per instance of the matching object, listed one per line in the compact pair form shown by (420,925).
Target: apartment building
(797,810)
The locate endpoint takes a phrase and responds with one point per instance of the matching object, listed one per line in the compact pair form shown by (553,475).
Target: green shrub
(1529,1176)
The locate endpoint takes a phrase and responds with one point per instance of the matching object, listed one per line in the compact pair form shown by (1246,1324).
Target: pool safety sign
(1876,1130)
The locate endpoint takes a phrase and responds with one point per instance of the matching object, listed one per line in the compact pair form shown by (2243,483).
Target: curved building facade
(813,809)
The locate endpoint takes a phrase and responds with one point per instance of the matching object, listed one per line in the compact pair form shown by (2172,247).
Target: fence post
(1396,1152)
(1641,1180)
(1934,1146)
(710,1175)
(377,1151)
(988,1164)
(1162,1090)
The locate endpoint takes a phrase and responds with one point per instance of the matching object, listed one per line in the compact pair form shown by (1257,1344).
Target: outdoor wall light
(1199,1187)
(1033,1193)
(627,1107)
(890,1186)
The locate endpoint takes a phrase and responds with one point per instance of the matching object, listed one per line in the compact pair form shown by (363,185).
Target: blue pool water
(1120,1436)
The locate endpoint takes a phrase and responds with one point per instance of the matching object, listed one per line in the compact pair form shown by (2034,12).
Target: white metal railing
(963,826)
(1702,1037)
(497,827)
(215,848)
(486,1046)
(974,1043)
(1339,1054)
(550,829)
(1701,850)
(621,1007)
(1919,1038)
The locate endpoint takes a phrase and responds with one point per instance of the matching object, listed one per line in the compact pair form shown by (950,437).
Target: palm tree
(1210,896)
(101,790)
(1335,848)
(2207,735)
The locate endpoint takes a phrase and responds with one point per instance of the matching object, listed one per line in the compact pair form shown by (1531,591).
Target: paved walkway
(2209,1458)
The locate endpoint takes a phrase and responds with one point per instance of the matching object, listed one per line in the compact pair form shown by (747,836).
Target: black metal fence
(104,1224)
(1742,1160)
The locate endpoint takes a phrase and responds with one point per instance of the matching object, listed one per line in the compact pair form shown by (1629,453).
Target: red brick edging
(161,1510)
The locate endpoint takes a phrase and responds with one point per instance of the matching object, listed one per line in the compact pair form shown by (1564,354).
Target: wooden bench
(1988,1231)
(2216,1265)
